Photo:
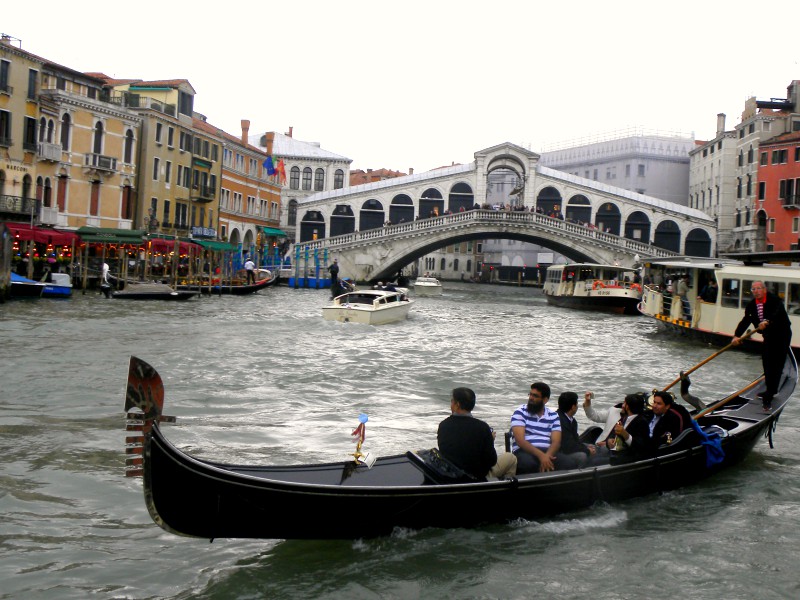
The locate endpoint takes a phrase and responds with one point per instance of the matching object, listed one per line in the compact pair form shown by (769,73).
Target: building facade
(778,194)
(309,170)
(712,181)
(652,163)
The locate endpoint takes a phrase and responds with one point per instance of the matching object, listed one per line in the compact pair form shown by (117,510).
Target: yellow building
(180,166)
(68,147)
(250,199)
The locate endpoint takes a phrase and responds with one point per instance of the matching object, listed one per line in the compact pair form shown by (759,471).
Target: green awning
(274,231)
(215,246)
(109,235)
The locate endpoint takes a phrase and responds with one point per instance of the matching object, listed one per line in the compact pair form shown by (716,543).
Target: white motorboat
(712,314)
(427,286)
(370,307)
(594,287)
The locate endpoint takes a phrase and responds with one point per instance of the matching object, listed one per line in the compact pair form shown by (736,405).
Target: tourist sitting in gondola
(666,420)
(574,453)
(468,442)
(536,433)
(609,416)
(629,440)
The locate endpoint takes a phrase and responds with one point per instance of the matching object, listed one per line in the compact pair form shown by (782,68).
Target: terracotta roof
(792,136)
(213,130)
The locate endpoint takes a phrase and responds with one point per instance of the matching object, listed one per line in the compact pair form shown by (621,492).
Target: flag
(714,452)
(269,166)
(281,169)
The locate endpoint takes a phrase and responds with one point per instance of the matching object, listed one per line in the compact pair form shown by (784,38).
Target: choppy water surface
(265,379)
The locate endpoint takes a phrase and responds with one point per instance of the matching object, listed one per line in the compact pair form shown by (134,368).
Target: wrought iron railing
(19,205)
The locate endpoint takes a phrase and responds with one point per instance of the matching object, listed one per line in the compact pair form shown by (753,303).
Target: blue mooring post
(324,265)
(316,268)
(296,266)
(305,269)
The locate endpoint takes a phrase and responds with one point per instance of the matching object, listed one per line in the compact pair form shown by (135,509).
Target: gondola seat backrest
(684,440)
(438,469)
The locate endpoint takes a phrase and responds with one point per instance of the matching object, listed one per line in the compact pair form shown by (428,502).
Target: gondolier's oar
(710,358)
(724,401)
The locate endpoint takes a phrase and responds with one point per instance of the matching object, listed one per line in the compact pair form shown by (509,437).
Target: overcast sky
(423,84)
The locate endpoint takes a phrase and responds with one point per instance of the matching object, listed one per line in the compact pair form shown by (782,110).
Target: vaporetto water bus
(712,315)
(594,287)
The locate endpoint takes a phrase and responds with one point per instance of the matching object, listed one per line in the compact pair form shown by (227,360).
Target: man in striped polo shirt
(536,432)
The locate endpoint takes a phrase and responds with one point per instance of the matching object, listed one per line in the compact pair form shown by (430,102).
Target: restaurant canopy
(25,232)
(215,246)
(274,231)
(109,235)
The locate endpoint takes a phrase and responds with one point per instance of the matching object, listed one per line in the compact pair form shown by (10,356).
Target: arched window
(128,147)
(307,178)
(292,216)
(97,146)
(66,125)
(443,265)
(51,126)
(42,129)
(294,178)
(47,199)
(319,180)
(338,179)
(455,264)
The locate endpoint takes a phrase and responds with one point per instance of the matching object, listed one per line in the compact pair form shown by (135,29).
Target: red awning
(44,235)
(162,245)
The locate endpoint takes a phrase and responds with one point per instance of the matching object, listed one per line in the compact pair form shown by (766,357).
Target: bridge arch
(668,236)
(608,218)
(579,208)
(401,209)
(312,226)
(507,161)
(461,198)
(698,243)
(343,220)
(431,203)
(549,200)
(371,215)
(637,227)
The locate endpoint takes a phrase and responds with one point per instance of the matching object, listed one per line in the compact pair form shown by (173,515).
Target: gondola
(236,289)
(364,498)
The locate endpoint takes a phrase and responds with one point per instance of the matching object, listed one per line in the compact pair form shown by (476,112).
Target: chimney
(289,133)
(411,170)
(245,130)
(270,140)
(720,123)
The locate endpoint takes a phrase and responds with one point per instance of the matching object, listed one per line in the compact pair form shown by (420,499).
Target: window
(294,178)
(738,187)
(32,77)
(338,179)
(185,103)
(167,171)
(128,153)
(307,178)
(751,128)
(750,156)
(749,185)
(797,154)
(641,171)
(171,137)
(97,147)
(763,162)
(165,219)
(94,199)
(4,68)
(762,188)
(155,169)
(741,158)
(729,293)
(319,180)
(66,125)
(29,141)
(796,225)
(159,128)
(772,225)
(627,170)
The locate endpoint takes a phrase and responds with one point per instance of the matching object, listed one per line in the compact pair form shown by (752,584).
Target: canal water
(264,379)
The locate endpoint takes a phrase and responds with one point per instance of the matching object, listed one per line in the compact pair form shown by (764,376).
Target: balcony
(203,193)
(48,151)
(100,162)
(791,202)
(17,205)
(6,89)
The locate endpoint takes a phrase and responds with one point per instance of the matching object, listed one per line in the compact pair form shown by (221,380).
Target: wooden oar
(710,358)
(724,401)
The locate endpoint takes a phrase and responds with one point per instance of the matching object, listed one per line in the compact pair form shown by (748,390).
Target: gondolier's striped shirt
(537,429)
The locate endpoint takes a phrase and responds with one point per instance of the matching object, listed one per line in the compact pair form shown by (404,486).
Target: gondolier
(768,315)
(334,271)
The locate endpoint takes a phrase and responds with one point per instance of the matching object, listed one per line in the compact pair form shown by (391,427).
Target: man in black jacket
(767,314)
(574,453)
(468,442)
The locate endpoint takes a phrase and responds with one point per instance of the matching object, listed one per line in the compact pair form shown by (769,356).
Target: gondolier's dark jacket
(779,330)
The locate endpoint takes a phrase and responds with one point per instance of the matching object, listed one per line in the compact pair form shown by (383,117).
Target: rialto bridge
(376,229)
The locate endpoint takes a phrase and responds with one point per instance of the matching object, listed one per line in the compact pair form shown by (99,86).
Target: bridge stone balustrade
(380,253)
